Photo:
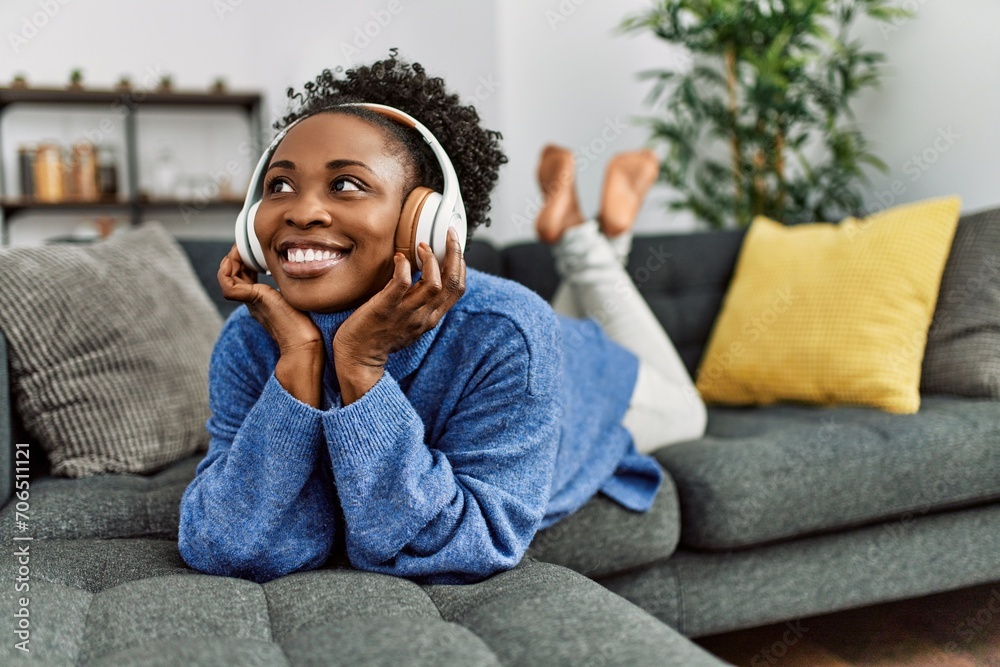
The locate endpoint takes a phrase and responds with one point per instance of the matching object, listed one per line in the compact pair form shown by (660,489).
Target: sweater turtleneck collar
(401,362)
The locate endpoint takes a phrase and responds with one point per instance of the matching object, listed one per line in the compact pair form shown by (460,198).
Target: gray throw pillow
(110,344)
(962,357)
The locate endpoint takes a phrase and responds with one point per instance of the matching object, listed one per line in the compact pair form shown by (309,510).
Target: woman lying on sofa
(424,424)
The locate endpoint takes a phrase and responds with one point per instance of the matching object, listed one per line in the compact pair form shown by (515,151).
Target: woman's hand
(396,317)
(300,367)
(291,328)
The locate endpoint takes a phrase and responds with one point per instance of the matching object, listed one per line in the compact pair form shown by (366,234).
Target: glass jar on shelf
(107,173)
(50,186)
(83,172)
(26,170)
(165,175)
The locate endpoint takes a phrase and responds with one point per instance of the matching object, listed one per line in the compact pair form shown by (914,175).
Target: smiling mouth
(307,262)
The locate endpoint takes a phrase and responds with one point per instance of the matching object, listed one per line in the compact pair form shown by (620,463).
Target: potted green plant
(76,79)
(166,84)
(759,121)
(20,81)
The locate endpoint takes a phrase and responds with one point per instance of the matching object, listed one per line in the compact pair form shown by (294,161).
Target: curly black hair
(474,151)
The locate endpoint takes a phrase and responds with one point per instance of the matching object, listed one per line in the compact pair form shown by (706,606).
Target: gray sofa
(778,513)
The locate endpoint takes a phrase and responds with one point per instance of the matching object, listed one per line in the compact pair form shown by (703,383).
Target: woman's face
(332,197)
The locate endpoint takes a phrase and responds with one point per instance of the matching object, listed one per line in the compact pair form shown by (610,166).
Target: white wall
(561,74)
(935,121)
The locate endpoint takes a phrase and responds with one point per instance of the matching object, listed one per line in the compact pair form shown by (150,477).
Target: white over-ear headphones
(426,215)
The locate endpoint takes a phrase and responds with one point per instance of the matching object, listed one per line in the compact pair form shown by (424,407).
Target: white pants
(665,406)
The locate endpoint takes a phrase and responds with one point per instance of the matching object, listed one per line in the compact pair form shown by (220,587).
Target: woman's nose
(309,209)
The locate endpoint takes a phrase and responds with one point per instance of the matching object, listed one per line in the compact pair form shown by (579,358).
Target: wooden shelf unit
(131,102)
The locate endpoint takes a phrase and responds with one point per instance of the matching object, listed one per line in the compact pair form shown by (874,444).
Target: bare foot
(626,180)
(560,208)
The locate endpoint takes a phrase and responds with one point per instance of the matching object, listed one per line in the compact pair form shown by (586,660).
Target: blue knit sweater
(500,421)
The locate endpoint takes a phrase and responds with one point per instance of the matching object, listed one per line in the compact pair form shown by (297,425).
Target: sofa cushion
(532,265)
(134,602)
(831,314)
(602,537)
(109,347)
(773,473)
(108,505)
(684,279)
(963,345)
(706,593)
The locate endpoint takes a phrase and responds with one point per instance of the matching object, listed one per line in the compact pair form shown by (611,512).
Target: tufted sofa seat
(132,601)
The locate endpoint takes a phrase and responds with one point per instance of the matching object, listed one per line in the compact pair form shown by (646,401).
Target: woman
(421,425)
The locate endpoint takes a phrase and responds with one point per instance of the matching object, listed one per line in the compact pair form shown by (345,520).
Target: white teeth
(311,255)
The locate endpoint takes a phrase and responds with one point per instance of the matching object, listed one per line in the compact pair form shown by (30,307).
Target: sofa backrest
(683,277)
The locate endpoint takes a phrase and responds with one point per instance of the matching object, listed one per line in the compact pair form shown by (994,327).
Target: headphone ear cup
(242,242)
(258,260)
(440,244)
(416,222)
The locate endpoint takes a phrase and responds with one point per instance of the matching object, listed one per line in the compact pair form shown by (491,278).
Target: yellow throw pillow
(831,313)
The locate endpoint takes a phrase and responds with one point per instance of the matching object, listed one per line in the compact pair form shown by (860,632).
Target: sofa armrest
(6,427)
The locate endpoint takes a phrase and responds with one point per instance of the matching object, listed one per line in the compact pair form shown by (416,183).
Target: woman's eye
(278,185)
(345,185)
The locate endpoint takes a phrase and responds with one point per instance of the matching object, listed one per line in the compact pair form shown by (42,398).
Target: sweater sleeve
(260,505)
(465,502)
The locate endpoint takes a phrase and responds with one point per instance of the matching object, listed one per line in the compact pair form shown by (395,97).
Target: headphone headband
(451,197)
(451,211)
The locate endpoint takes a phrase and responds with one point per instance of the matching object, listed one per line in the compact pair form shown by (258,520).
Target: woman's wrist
(303,348)
(300,371)
(356,379)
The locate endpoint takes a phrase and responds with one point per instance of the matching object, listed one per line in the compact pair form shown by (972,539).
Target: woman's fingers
(430,274)
(231,265)
(452,274)
(439,286)
(227,281)
(290,328)
(446,281)
(454,267)
(237,282)
(398,285)
(234,290)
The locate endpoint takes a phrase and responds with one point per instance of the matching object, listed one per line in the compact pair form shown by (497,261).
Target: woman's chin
(309,301)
